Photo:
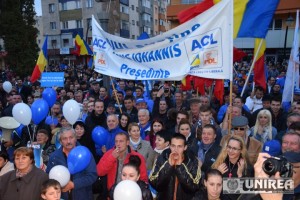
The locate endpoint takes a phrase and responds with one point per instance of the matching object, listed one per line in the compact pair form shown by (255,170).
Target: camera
(166,90)
(278,164)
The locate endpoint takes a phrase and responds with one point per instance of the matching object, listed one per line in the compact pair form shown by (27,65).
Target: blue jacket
(83,180)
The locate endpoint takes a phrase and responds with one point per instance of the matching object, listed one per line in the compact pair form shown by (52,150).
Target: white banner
(200,47)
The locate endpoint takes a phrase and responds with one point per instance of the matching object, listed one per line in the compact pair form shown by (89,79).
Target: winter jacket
(83,180)
(163,177)
(108,165)
(26,187)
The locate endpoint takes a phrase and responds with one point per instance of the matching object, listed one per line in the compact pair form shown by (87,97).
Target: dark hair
(164,134)
(79,123)
(44,131)
(128,117)
(205,108)
(129,97)
(184,121)
(179,137)
(135,162)
(183,112)
(4,155)
(123,133)
(50,183)
(276,98)
(210,126)
(211,172)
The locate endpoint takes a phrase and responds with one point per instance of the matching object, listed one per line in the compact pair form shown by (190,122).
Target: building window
(278,24)
(65,25)
(137,9)
(53,25)
(78,4)
(155,10)
(53,44)
(64,6)
(78,24)
(133,37)
(89,3)
(156,22)
(124,25)
(161,22)
(133,22)
(124,9)
(65,42)
(137,23)
(146,17)
(146,3)
(51,8)
(132,7)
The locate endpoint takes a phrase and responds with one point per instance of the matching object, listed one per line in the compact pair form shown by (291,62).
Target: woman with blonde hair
(263,130)
(233,159)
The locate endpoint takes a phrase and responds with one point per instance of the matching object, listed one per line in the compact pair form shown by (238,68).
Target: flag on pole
(81,47)
(259,65)
(251,17)
(41,63)
(292,75)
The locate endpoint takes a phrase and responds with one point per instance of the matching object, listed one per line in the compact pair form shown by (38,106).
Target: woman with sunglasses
(239,126)
(233,161)
(263,130)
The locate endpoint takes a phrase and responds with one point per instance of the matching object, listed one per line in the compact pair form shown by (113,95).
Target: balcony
(146,10)
(146,23)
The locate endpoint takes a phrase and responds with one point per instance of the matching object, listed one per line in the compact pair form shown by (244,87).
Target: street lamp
(288,22)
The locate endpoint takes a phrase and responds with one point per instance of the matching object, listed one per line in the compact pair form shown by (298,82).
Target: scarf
(21,174)
(203,148)
(143,130)
(135,144)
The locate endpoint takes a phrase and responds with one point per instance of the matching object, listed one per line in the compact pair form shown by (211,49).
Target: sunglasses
(239,128)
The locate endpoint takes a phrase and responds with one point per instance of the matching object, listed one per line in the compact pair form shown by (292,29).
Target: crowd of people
(174,144)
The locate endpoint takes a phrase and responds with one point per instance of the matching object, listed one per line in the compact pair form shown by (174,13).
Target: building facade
(63,19)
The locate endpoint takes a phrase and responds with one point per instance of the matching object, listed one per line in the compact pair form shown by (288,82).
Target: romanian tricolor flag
(251,17)
(81,47)
(259,66)
(41,63)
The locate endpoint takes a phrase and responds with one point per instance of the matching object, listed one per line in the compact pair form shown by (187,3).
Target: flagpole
(252,66)
(115,93)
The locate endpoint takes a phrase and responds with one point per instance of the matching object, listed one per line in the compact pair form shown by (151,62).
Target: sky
(38,7)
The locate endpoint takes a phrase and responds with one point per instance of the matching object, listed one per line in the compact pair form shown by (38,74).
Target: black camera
(278,164)
(166,90)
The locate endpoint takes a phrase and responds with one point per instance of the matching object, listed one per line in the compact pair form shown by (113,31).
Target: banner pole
(115,93)
(252,66)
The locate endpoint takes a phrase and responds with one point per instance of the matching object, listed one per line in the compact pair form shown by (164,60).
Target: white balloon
(71,111)
(7,86)
(128,190)
(22,113)
(61,174)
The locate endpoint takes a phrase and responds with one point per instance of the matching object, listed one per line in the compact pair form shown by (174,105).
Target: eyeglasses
(229,148)
(239,128)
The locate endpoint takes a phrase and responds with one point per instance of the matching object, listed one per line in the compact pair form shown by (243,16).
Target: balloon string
(29,134)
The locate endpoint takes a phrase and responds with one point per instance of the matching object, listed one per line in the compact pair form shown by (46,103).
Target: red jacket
(108,165)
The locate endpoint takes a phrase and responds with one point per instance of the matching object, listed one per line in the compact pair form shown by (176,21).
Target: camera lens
(269,167)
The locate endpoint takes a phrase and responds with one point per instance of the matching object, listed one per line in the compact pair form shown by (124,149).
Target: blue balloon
(49,95)
(78,159)
(100,135)
(39,110)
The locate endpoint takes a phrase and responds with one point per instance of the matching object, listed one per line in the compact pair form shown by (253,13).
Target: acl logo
(211,57)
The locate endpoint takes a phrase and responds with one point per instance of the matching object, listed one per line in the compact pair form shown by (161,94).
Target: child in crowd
(51,190)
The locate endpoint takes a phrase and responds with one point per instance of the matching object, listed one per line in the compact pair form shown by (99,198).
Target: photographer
(294,159)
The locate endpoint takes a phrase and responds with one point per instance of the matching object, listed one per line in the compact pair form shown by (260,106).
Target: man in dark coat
(176,172)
